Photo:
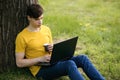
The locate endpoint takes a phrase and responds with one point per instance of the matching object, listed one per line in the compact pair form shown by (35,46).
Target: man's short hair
(34,10)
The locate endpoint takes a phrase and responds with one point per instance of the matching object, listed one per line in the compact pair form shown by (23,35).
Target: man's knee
(83,57)
(70,62)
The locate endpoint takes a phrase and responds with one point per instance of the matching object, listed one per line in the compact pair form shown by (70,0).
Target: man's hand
(45,58)
(48,48)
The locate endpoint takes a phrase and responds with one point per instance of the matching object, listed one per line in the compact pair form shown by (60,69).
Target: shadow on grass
(22,74)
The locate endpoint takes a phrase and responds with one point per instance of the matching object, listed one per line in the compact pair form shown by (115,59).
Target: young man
(30,51)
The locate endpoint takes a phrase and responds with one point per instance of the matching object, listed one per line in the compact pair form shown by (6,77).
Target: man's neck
(33,29)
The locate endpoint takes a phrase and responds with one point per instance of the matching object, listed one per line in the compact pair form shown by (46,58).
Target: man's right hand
(45,58)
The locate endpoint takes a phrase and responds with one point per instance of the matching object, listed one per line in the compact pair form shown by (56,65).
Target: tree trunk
(12,21)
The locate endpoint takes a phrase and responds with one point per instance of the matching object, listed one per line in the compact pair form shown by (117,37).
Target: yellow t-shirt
(31,43)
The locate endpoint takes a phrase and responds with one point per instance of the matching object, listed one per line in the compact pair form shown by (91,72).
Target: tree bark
(12,21)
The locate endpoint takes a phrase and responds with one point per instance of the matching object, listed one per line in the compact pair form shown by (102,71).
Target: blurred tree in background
(12,20)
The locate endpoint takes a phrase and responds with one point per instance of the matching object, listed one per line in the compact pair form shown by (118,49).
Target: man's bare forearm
(27,62)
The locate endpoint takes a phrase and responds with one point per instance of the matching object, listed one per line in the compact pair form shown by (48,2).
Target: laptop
(62,51)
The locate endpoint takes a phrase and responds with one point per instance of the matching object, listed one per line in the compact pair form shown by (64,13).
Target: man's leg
(61,69)
(83,62)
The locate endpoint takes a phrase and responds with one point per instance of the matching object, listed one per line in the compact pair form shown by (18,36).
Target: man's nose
(39,21)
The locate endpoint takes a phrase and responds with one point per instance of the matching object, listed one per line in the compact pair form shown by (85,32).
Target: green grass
(96,22)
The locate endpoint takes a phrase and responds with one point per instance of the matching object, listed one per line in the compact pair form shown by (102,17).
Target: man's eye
(41,18)
(36,19)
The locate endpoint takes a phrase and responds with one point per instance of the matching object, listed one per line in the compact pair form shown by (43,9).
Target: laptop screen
(63,50)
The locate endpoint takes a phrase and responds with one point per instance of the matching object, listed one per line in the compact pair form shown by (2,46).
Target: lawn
(96,22)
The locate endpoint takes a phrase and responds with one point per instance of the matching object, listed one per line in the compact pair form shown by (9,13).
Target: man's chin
(38,26)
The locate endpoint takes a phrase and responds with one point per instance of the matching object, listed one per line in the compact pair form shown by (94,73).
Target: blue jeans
(70,68)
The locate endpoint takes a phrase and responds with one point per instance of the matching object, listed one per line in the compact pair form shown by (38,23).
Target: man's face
(36,22)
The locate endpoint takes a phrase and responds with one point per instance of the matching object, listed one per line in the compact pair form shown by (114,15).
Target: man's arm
(22,62)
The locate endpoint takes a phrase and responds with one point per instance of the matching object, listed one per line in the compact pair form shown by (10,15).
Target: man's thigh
(54,71)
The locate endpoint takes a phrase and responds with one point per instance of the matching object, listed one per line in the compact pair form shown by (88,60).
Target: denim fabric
(70,68)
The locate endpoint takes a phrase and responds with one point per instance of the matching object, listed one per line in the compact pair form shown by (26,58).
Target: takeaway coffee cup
(46,47)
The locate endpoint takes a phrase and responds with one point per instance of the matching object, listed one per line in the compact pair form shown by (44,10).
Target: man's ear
(28,17)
